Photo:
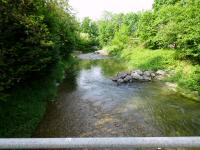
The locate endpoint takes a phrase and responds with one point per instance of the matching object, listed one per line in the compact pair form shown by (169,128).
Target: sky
(95,8)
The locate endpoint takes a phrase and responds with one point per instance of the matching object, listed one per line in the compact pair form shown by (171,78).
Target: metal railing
(115,142)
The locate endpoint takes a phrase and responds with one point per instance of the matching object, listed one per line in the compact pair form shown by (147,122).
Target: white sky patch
(95,8)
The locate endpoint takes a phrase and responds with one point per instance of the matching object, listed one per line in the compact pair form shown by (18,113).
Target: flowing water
(89,104)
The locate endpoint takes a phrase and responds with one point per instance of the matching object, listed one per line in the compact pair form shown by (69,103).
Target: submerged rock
(115,79)
(120,81)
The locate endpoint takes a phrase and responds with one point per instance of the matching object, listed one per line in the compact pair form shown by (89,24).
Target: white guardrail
(111,142)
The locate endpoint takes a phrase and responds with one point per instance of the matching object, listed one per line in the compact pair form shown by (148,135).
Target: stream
(89,104)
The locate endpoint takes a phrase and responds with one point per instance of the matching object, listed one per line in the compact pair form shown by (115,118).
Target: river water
(89,104)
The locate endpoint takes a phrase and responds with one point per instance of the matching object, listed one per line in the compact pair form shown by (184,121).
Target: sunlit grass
(184,73)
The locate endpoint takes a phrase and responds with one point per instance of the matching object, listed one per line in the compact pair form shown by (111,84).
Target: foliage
(146,29)
(35,35)
(86,43)
(173,26)
(112,23)
(26,103)
(161,3)
(142,38)
(88,37)
(184,73)
(90,27)
(120,40)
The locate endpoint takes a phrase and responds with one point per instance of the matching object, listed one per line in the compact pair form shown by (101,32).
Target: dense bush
(88,35)
(34,35)
(120,40)
(112,24)
(142,39)
(173,26)
(89,26)
(146,29)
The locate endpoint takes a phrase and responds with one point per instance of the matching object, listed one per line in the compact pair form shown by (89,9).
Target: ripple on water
(96,106)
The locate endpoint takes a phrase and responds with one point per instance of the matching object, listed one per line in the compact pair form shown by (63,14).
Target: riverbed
(89,104)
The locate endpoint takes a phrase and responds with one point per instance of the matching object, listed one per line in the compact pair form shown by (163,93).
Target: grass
(26,105)
(148,59)
(184,73)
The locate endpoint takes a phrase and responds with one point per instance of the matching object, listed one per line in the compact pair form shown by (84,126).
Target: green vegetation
(88,35)
(164,38)
(25,106)
(37,37)
(183,72)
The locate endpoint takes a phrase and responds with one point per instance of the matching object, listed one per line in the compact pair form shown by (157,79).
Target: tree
(89,26)
(147,29)
(35,34)
(160,3)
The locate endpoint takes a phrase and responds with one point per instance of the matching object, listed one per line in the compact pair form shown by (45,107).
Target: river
(89,104)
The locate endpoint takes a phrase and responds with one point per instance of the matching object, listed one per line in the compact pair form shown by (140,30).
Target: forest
(37,38)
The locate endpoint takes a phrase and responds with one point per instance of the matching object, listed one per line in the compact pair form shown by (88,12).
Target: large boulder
(139,72)
(147,73)
(136,76)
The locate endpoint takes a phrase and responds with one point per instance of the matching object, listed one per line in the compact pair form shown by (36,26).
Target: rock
(138,72)
(128,78)
(161,72)
(102,52)
(120,80)
(153,75)
(114,79)
(147,73)
(146,78)
(122,75)
(136,76)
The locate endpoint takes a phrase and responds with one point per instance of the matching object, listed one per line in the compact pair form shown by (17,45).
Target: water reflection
(91,105)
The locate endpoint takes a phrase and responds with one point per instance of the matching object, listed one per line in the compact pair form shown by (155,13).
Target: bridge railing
(111,142)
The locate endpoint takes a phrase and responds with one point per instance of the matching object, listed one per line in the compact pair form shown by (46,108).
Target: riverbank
(90,104)
(183,73)
(26,105)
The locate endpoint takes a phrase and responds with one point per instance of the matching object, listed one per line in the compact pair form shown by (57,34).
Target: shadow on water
(89,104)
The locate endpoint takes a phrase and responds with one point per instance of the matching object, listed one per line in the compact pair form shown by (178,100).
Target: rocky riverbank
(139,75)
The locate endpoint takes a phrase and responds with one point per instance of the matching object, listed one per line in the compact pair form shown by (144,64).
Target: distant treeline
(172,24)
(166,37)
(36,34)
